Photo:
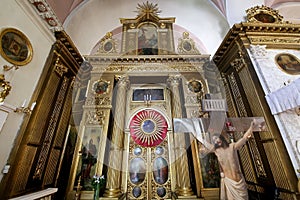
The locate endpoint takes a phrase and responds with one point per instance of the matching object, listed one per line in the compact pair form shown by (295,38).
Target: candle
(24,102)
(87,88)
(32,106)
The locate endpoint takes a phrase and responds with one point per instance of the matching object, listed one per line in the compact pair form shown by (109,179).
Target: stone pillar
(183,187)
(113,186)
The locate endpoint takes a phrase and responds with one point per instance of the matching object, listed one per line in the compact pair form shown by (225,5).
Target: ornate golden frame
(263,14)
(15,47)
(186,45)
(288,63)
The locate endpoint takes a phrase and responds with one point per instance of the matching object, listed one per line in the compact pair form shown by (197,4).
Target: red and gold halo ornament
(148,128)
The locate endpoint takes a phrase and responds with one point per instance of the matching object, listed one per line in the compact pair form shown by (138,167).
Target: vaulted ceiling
(87,21)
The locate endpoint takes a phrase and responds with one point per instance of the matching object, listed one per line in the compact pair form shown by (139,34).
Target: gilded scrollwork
(257,159)
(107,44)
(130,64)
(263,14)
(102,101)
(6,87)
(237,95)
(60,69)
(195,113)
(97,100)
(191,100)
(274,40)
(95,117)
(186,45)
(237,63)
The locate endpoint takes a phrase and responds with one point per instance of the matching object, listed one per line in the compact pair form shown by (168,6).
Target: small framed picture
(15,47)
(288,63)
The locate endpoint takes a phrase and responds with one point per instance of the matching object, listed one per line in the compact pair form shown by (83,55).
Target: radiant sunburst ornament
(148,128)
(148,8)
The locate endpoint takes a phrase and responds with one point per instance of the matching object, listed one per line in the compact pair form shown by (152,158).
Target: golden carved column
(115,159)
(183,187)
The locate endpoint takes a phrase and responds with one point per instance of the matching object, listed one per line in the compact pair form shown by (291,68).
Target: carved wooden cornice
(66,42)
(147,59)
(272,35)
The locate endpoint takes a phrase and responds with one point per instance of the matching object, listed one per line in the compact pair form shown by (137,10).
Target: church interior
(117,99)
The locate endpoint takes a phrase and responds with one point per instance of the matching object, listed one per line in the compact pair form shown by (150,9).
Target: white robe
(232,190)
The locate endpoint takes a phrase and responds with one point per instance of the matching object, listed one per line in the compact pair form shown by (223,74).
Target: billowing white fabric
(285,98)
(232,190)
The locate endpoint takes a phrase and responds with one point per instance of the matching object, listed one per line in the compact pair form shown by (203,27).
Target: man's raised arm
(246,136)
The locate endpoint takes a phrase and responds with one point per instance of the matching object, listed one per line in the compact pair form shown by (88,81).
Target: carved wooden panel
(64,120)
(37,160)
(42,120)
(20,184)
(52,165)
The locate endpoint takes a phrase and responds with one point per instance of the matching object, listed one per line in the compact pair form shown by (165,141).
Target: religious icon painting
(101,86)
(147,40)
(264,18)
(210,171)
(108,46)
(15,47)
(160,170)
(288,63)
(89,156)
(195,86)
(137,170)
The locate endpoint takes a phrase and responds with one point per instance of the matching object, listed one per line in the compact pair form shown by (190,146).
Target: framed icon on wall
(288,63)
(15,47)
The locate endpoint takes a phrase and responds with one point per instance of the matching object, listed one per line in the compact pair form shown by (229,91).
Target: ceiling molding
(47,14)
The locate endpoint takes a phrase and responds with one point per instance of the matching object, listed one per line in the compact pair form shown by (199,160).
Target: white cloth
(232,190)
(285,98)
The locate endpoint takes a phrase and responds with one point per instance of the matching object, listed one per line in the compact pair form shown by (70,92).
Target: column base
(184,192)
(113,198)
(191,197)
(112,194)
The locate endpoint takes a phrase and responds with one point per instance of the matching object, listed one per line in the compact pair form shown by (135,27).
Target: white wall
(20,15)
(93,19)
(236,9)
(272,78)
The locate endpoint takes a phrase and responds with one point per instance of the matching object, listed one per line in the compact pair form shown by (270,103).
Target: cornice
(272,35)
(147,59)
(47,15)
(69,46)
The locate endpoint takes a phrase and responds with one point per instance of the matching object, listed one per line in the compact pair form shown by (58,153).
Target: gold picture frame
(15,47)
(264,14)
(288,63)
